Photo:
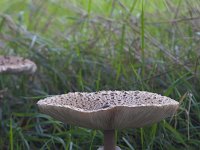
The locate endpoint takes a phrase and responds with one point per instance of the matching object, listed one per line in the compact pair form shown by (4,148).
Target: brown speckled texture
(15,64)
(109,109)
(104,99)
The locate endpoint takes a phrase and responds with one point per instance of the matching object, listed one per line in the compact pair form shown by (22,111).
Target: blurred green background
(90,45)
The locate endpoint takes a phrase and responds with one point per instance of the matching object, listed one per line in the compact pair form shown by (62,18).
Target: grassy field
(88,45)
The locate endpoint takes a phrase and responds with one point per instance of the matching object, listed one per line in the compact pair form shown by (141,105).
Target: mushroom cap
(15,64)
(109,110)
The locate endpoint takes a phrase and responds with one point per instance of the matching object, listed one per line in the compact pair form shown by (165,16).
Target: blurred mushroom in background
(15,65)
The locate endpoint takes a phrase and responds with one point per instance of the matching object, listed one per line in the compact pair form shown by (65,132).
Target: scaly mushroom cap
(15,64)
(109,109)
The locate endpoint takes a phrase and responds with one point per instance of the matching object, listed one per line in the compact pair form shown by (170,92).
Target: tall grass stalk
(142,39)
(11,135)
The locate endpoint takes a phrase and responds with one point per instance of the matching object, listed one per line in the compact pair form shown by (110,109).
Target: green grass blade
(11,135)
(129,144)
(142,39)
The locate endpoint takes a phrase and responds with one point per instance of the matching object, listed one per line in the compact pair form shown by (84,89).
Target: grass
(106,45)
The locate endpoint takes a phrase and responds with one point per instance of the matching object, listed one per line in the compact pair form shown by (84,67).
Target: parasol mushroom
(16,65)
(109,110)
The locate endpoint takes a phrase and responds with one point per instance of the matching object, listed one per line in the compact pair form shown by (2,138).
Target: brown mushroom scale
(105,99)
(109,109)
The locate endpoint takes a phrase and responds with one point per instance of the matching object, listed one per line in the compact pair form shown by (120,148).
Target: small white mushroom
(109,110)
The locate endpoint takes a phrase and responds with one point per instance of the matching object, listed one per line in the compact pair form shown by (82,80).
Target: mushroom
(15,64)
(109,110)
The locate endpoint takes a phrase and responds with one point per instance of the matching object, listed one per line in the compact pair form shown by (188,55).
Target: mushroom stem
(109,139)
